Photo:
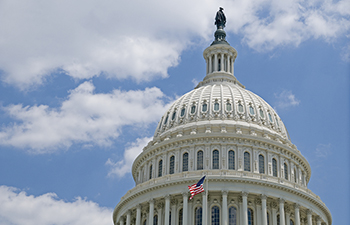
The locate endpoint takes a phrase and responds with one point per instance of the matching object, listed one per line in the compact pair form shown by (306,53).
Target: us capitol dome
(254,174)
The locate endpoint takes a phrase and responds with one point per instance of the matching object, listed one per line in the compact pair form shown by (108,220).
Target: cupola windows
(215,159)
(246,161)
(216,106)
(182,112)
(261,164)
(215,215)
(185,162)
(174,115)
(199,160)
(228,107)
(193,109)
(231,160)
(160,168)
(171,164)
(232,216)
(261,113)
(251,110)
(240,107)
(204,107)
(274,167)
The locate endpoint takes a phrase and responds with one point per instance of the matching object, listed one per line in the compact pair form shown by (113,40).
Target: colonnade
(219,62)
(274,212)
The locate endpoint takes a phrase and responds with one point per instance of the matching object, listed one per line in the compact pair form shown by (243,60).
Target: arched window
(174,114)
(166,119)
(145,222)
(262,113)
(215,215)
(251,110)
(199,160)
(295,176)
(215,159)
(228,107)
(291,222)
(169,218)
(160,168)
(216,106)
(240,107)
(232,216)
(246,161)
(270,118)
(231,160)
(250,217)
(155,219)
(204,107)
(278,220)
(268,219)
(274,167)
(185,162)
(180,216)
(302,178)
(193,109)
(198,216)
(261,164)
(182,112)
(171,165)
(150,172)
(285,171)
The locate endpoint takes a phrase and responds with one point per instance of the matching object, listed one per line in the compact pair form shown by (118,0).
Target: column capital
(287,208)
(224,192)
(173,201)
(274,204)
(138,206)
(296,206)
(160,205)
(128,212)
(281,201)
(244,194)
(167,196)
(309,212)
(263,197)
(151,200)
(184,194)
(318,219)
(258,201)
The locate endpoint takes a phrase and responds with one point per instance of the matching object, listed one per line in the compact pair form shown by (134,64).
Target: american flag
(196,188)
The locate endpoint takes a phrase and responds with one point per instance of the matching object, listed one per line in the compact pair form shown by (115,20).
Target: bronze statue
(220,19)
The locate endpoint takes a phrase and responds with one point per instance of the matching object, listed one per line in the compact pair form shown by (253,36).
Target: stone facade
(254,174)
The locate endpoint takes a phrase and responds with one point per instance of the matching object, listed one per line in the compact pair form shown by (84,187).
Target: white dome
(221,103)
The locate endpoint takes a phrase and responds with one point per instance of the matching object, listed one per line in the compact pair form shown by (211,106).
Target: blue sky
(84,83)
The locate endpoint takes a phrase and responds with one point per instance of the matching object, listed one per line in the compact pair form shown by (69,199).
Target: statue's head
(221,8)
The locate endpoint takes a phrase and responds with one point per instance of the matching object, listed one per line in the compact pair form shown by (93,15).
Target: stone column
(228,63)
(224,208)
(309,217)
(258,212)
(216,62)
(222,62)
(282,217)
(121,221)
(287,212)
(274,212)
(204,208)
(128,217)
(173,211)
(190,212)
(210,64)
(138,215)
(263,209)
(160,213)
(297,214)
(151,212)
(245,207)
(185,208)
(167,209)
(318,221)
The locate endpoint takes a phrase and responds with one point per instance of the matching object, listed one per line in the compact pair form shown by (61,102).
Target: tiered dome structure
(254,174)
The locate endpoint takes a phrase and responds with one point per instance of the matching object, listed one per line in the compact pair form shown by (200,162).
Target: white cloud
(286,99)
(323,151)
(141,40)
(84,117)
(19,208)
(123,166)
